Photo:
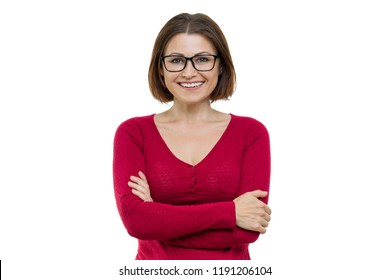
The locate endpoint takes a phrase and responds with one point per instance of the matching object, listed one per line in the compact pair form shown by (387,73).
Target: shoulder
(135,123)
(248,130)
(249,124)
(135,127)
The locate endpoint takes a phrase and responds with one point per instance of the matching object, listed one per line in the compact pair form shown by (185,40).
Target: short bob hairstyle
(192,24)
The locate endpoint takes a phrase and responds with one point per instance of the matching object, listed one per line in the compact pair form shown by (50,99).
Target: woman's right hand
(251,213)
(140,187)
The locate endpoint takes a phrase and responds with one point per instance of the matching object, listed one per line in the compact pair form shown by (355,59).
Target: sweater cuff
(227,215)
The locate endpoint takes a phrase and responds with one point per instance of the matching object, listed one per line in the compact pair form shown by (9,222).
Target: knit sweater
(192,215)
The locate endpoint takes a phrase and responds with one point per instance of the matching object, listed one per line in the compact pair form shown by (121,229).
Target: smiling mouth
(191,85)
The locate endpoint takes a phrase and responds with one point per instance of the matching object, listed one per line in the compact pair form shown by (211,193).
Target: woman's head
(196,24)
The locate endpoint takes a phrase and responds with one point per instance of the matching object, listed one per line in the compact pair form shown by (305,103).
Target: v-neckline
(165,145)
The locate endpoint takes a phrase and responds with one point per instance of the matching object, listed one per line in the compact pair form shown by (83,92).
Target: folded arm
(151,220)
(255,174)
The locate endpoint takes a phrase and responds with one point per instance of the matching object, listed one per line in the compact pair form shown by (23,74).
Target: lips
(191,85)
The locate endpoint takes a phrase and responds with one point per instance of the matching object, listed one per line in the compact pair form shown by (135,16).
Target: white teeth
(191,85)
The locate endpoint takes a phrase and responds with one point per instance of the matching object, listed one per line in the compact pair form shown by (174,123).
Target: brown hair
(192,24)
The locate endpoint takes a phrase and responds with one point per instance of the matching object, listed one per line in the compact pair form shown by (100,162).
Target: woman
(192,182)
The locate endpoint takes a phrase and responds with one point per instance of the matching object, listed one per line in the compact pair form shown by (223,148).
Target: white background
(316,73)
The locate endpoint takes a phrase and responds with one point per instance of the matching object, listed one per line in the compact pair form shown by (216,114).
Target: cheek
(170,82)
(213,79)
(169,78)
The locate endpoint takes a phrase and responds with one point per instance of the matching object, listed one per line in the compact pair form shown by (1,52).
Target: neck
(191,113)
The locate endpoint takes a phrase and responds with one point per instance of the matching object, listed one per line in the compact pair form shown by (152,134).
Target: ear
(220,70)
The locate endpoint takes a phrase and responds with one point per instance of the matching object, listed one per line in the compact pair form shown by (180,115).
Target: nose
(189,71)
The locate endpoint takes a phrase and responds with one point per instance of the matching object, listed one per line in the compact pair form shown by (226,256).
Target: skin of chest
(192,144)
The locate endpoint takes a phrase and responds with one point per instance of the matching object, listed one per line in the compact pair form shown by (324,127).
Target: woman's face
(190,85)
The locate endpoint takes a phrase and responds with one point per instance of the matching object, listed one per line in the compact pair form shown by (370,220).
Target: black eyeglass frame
(192,62)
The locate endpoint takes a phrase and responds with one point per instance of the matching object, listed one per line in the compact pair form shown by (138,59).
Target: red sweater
(193,213)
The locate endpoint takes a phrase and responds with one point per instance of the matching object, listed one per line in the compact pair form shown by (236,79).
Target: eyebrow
(180,54)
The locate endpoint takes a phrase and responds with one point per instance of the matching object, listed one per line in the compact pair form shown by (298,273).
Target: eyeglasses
(177,63)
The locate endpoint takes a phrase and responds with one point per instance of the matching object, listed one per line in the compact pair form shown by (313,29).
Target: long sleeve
(215,239)
(151,220)
(255,174)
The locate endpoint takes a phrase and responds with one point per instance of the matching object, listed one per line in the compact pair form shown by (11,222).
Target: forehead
(189,44)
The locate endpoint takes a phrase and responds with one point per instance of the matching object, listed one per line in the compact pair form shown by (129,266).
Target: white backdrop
(316,73)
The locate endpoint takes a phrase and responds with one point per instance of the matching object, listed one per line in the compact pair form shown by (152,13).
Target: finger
(135,179)
(138,193)
(139,181)
(262,226)
(142,196)
(267,210)
(259,193)
(142,176)
(137,187)
(261,229)
(264,215)
(264,223)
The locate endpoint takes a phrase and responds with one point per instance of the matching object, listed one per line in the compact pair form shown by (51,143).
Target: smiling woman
(200,76)
(192,182)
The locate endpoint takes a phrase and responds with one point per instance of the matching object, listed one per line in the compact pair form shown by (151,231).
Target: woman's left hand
(140,187)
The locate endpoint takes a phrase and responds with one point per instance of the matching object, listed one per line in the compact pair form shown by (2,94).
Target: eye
(176,60)
(202,59)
